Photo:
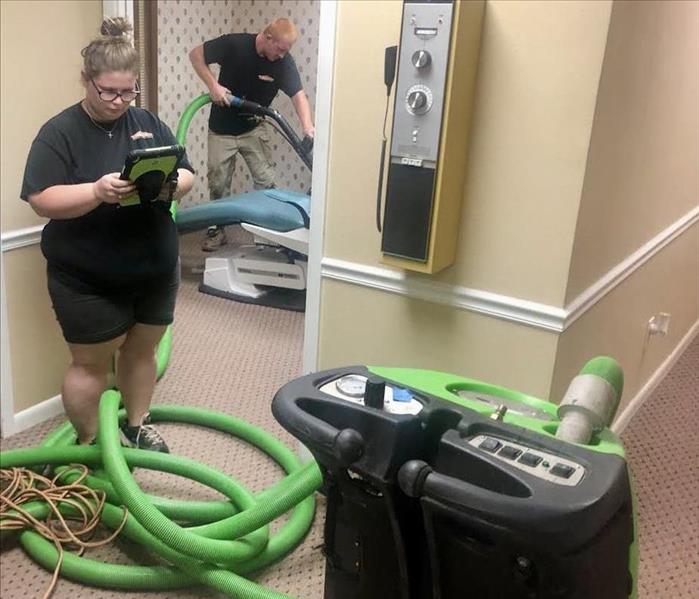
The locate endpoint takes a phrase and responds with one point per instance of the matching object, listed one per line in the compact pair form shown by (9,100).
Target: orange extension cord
(21,485)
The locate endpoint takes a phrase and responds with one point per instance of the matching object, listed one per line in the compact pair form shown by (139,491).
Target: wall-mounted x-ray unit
(437,63)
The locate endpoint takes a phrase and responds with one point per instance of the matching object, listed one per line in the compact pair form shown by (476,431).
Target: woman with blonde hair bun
(112,270)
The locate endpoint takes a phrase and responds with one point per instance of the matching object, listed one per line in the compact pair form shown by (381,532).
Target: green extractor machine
(444,487)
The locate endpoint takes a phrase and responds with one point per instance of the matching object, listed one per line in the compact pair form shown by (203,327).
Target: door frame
(319,181)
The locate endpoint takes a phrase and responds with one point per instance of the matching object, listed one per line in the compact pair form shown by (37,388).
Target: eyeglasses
(110,96)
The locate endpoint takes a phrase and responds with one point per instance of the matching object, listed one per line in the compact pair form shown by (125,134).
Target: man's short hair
(281,28)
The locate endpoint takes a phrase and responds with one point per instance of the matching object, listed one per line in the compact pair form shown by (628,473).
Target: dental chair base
(273,271)
(257,274)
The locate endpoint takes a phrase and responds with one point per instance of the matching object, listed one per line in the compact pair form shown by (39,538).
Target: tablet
(148,169)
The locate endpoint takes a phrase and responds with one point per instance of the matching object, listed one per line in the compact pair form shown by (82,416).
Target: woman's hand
(167,191)
(182,184)
(111,189)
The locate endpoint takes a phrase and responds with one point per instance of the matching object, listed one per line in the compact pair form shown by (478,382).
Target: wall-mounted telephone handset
(389,75)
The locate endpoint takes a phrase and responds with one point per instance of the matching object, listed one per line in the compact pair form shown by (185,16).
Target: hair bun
(115,27)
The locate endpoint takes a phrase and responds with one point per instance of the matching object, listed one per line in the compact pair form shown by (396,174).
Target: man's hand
(219,94)
(303,110)
(111,189)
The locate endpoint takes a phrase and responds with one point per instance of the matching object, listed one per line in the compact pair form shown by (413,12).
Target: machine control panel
(537,462)
(352,387)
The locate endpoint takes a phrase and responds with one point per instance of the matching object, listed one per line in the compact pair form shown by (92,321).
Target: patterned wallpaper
(184,24)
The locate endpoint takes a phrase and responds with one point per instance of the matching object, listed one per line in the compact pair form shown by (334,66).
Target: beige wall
(643,168)
(361,326)
(536,89)
(584,148)
(535,96)
(40,76)
(39,354)
(642,176)
(618,325)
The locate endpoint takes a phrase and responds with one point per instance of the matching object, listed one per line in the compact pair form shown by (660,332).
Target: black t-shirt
(248,76)
(110,247)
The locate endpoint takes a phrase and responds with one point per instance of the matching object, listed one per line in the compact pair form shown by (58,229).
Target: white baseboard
(36,414)
(622,421)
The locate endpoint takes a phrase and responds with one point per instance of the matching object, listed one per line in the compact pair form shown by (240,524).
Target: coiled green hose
(227,539)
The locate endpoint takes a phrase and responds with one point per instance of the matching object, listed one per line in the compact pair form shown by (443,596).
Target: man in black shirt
(253,67)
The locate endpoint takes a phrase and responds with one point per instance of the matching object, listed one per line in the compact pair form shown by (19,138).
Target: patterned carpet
(662,446)
(232,357)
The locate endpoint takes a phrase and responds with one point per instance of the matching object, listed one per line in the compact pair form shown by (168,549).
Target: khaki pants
(255,148)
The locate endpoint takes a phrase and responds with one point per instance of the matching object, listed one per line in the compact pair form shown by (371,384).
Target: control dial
(418,100)
(421,59)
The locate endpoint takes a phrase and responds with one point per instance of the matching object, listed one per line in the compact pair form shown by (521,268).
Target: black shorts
(96,317)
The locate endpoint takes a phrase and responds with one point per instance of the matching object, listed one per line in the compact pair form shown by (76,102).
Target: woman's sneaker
(144,436)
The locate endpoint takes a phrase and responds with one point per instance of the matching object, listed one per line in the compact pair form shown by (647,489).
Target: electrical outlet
(659,324)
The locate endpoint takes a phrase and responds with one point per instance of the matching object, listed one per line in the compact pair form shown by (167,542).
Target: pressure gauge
(418,99)
(352,385)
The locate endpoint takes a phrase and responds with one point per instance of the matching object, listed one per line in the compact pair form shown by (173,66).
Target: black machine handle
(569,520)
(303,147)
(345,446)
(417,479)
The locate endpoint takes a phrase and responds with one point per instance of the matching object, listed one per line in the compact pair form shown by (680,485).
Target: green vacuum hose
(183,126)
(222,540)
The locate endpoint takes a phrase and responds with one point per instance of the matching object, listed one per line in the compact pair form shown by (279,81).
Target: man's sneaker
(215,238)
(144,436)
